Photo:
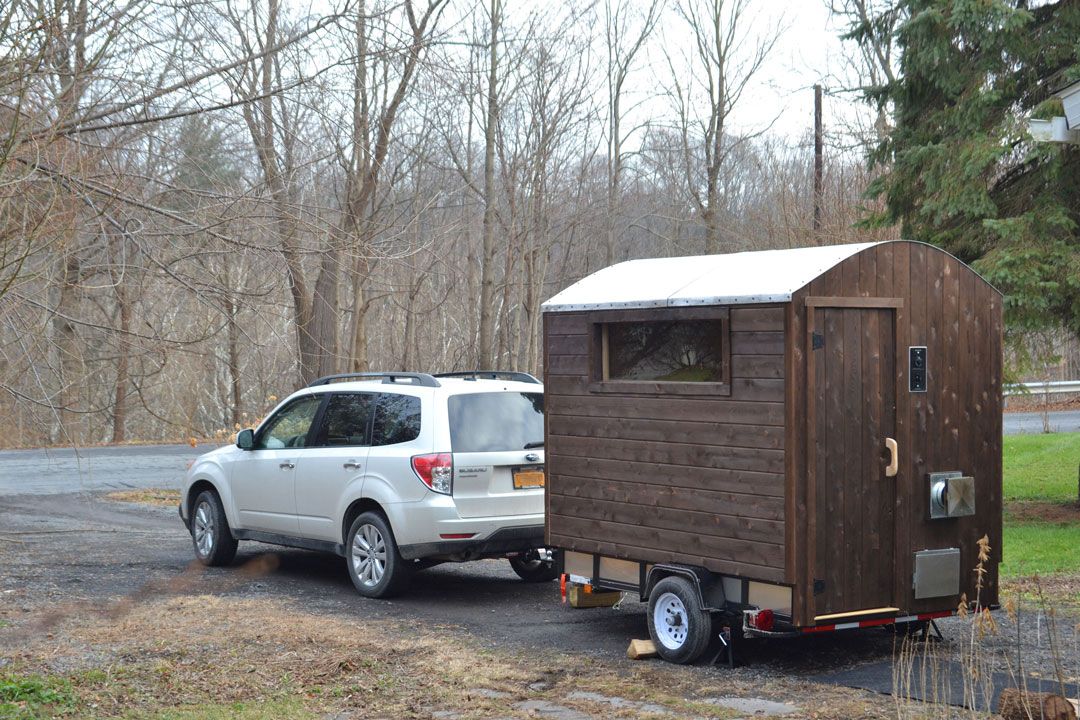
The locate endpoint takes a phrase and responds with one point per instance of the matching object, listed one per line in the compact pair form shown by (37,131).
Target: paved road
(63,470)
(1020,423)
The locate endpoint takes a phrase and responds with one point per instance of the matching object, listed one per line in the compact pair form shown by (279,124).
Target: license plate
(528,478)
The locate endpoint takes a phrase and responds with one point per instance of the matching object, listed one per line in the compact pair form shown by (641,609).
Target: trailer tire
(679,626)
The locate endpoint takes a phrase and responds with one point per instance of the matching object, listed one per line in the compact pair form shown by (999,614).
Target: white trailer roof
(739,278)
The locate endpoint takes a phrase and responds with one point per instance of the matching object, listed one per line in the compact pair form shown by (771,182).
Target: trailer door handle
(894,460)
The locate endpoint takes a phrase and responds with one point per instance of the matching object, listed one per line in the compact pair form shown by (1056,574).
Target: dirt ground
(101,600)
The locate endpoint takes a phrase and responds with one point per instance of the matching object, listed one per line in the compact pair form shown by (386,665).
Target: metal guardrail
(1054,387)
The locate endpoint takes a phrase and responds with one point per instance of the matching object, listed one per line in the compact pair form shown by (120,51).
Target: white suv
(393,471)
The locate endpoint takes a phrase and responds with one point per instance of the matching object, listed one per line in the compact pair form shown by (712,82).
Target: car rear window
(497,421)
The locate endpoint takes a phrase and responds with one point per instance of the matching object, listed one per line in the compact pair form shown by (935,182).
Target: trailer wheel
(679,627)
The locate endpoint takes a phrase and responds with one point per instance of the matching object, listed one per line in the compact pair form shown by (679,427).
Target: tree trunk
(484,351)
(121,389)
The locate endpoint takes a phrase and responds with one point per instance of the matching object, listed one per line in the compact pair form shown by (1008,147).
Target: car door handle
(286,466)
(351,465)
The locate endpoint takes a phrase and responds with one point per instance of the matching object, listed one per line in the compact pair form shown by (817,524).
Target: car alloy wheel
(369,555)
(204,529)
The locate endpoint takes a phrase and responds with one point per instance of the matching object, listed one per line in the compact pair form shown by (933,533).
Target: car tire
(679,626)
(372,557)
(532,568)
(210,534)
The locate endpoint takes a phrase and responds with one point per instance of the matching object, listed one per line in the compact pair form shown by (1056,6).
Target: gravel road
(62,548)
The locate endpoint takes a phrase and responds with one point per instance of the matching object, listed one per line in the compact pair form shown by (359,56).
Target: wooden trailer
(797,440)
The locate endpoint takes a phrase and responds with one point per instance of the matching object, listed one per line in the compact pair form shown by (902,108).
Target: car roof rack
(491,375)
(389,378)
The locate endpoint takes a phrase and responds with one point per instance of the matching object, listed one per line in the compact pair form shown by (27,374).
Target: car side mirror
(245,439)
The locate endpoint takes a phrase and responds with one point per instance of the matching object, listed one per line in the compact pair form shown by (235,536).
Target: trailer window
(672,350)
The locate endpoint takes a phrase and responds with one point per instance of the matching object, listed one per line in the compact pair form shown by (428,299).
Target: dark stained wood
(758,319)
(757,366)
(745,482)
(701,523)
(746,552)
(571,323)
(653,554)
(757,343)
(671,453)
(704,433)
(795,370)
(632,470)
(854,302)
(674,497)
(565,344)
(659,408)
(567,365)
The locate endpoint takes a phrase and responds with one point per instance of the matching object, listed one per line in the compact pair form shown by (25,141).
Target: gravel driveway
(63,548)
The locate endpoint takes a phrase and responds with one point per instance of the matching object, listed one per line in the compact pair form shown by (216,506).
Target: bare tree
(727,50)
(626,30)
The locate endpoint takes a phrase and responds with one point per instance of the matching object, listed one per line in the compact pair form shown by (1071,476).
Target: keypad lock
(917,368)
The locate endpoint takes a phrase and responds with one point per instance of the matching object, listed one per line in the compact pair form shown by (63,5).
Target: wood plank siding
(955,425)
(776,471)
(688,478)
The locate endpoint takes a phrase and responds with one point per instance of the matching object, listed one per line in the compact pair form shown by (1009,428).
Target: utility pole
(817,162)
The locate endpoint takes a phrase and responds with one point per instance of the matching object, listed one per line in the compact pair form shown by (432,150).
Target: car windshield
(496,421)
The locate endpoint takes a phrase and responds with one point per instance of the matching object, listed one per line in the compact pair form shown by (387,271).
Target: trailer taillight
(763,620)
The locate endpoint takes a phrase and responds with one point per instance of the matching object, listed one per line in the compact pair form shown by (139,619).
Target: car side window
(397,419)
(290,426)
(346,420)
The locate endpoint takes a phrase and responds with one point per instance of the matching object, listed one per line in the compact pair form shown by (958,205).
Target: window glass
(397,419)
(673,351)
(345,422)
(494,422)
(289,427)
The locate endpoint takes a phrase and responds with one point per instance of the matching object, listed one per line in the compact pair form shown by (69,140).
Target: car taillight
(762,620)
(435,470)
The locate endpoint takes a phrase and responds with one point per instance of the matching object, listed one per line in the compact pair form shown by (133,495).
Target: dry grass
(147,496)
(201,653)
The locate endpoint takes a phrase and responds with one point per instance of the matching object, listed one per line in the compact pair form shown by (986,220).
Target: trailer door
(853,412)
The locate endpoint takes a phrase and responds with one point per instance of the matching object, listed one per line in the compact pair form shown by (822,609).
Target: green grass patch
(1041,467)
(1041,548)
(34,696)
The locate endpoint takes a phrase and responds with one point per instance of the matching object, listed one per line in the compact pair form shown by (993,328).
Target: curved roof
(747,277)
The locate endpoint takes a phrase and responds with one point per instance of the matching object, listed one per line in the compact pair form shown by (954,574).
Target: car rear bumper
(501,542)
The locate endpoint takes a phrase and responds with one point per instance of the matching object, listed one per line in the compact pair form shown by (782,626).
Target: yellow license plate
(528,479)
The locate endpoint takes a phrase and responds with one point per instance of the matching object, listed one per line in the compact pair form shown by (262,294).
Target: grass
(1040,472)
(1041,467)
(33,696)
(267,710)
(1041,549)
(266,658)
(147,496)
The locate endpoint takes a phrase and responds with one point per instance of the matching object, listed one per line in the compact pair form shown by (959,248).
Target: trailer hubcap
(669,621)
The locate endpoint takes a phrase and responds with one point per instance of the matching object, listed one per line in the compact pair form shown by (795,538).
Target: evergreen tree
(960,171)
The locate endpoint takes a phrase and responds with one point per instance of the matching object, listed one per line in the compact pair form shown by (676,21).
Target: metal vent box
(937,573)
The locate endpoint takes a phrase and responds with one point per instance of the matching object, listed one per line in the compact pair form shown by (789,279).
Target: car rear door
(337,458)
(497,441)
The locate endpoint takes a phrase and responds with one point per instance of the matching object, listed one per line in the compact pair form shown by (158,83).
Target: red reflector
(763,620)
(456,536)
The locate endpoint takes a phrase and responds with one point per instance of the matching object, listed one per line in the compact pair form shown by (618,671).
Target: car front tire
(210,534)
(371,554)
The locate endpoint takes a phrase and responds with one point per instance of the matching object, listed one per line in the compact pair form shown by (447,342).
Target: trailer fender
(707,584)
